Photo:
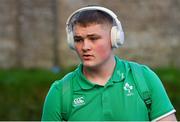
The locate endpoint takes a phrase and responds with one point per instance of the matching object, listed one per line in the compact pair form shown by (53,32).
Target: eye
(78,39)
(94,38)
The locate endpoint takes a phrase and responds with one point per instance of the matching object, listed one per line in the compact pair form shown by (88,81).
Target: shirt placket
(106,105)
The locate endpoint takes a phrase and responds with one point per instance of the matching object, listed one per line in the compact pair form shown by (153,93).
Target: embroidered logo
(129,89)
(122,76)
(78,101)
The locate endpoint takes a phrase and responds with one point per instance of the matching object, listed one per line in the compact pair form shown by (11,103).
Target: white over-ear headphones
(117,34)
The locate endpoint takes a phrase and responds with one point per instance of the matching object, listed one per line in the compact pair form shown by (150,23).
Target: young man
(104,87)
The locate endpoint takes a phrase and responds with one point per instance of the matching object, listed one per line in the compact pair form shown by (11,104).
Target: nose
(86,45)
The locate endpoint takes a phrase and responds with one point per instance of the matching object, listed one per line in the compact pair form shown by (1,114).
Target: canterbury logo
(79,101)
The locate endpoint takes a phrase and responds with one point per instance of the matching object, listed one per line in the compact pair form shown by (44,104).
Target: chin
(89,64)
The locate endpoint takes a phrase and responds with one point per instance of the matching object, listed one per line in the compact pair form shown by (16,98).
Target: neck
(100,74)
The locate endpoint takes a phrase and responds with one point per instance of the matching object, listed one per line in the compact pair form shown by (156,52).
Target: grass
(23,91)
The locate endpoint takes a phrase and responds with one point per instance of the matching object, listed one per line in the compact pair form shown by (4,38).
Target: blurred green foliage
(22,92)
(171,81)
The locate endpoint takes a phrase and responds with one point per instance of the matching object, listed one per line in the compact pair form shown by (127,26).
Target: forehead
(91,28)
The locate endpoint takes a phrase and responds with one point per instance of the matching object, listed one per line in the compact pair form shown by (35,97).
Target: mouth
(87,57)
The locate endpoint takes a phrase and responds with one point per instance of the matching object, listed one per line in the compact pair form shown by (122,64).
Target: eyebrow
(89,35)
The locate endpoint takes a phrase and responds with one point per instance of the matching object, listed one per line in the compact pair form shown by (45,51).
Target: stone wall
(7,33)
(32,32)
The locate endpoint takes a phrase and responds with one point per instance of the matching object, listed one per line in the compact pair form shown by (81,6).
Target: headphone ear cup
(70,39)
(117,37)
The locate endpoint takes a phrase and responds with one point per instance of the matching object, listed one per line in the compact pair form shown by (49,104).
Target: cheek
(104,50)
(77,49)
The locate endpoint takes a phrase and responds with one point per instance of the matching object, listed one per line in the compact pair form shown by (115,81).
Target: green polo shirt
(117,100)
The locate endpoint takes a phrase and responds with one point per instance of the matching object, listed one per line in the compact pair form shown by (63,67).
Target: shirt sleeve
(161,104)
(52,104)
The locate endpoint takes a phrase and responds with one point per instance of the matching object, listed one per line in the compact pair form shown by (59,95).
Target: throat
(96,78)
(101,75)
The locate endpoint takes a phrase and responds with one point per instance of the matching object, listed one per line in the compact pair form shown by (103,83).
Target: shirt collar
(118,75)
(83,82)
